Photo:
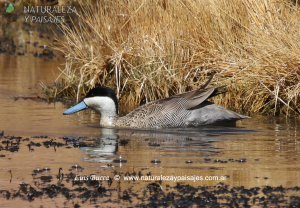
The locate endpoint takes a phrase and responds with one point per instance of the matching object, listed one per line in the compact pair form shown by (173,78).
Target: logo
(10,8)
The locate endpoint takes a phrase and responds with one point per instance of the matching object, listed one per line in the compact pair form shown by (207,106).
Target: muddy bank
(23,32)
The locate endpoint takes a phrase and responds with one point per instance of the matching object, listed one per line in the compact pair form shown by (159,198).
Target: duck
(189,109)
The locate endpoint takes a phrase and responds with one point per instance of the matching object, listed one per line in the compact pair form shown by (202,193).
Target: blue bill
(78,107)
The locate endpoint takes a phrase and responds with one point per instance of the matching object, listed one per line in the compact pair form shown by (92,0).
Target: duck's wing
(197,97)
(168,112)
(191,99)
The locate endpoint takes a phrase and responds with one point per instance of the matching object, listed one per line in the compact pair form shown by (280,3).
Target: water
(20,78)
(258,152)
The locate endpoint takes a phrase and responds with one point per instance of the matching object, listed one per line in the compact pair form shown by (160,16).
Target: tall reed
(152,49)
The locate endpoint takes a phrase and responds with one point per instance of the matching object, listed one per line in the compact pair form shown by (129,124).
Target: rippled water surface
(38,140)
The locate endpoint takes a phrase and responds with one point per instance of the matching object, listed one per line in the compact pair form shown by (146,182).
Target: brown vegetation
(147,50)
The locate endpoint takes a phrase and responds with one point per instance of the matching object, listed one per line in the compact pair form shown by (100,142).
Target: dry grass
(151,49)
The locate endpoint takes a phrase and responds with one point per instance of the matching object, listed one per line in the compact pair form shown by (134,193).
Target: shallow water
(20,80)
(258,152)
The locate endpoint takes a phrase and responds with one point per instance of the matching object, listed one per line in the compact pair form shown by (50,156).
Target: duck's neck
(108,118)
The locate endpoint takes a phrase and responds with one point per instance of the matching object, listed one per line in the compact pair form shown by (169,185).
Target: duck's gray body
(177,111)
(190,109)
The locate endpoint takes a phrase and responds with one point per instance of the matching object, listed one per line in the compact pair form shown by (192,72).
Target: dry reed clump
(153,49)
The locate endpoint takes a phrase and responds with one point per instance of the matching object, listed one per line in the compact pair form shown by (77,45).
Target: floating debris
(155,161)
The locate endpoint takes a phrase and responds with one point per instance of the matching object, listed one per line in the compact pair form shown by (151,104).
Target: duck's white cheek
(93,102)
(101,104)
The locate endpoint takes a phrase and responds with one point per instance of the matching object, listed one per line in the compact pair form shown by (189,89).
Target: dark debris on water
(155,194)
(12,143)
(219,196)
(7,45)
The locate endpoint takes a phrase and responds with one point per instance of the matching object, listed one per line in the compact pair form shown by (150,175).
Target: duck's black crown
(103,92)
